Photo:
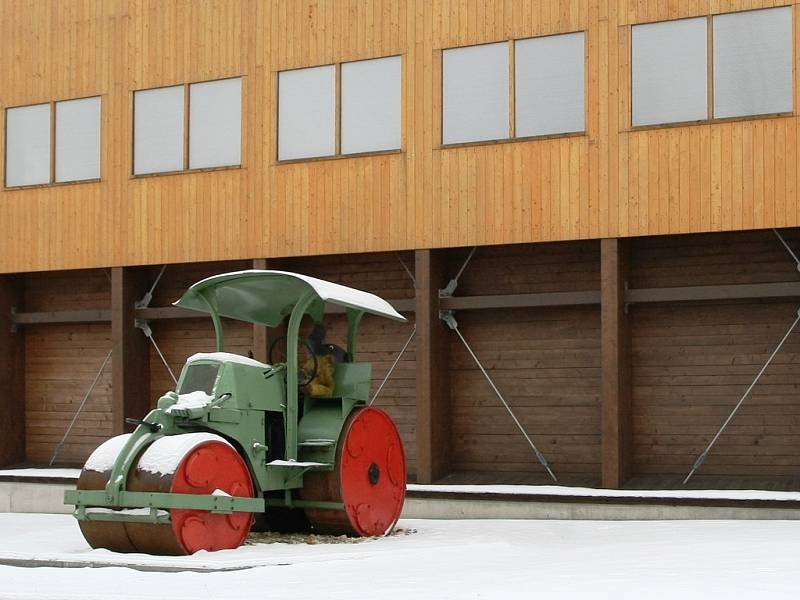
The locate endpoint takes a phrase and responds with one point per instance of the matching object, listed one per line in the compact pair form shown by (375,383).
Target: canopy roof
(267,297)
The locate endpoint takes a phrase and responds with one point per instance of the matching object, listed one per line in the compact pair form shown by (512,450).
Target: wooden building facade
(629,281)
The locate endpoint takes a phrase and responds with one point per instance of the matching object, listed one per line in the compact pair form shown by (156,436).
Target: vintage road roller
(240,439)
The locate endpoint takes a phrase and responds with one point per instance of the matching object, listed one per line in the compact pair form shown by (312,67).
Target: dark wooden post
(615,351)
(130,361)
(433,415)
(12,374)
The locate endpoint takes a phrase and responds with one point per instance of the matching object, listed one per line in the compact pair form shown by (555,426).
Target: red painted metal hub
(372,472)
(207,468)
(369,478)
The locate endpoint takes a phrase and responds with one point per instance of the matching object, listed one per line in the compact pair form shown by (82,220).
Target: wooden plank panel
(610,181)
(693,361)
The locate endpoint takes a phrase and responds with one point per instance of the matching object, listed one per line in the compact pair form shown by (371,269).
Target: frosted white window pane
(670,72)
(158,130)
(78,139)
(475,105)
(753,63)
(371,105)
(307,113)
(28,145)
(215,124)
(549,74)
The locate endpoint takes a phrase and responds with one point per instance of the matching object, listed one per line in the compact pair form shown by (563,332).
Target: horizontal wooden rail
(784,289)
(149,314)
(61,316)
(520,300)
(167,312)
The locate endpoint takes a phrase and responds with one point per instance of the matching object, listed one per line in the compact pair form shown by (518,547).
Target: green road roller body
(242,437)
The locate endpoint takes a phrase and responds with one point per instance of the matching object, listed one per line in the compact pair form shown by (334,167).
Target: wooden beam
(156,313)
(61,316)
(130,361)
(783,289)
(615,359)
(12,374)
(520,300)
(433,415)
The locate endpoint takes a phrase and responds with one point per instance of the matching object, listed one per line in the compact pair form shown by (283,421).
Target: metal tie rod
(448,318)
(451,286)
(80,408)
(407,270)
(148,332)
(701,459)
(394,364)
(788,248)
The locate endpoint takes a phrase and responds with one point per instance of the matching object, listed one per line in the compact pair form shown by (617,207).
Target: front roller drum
(369,478)
(197,463)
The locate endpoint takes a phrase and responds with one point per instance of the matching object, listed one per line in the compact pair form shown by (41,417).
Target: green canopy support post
(218,331)
(292,335)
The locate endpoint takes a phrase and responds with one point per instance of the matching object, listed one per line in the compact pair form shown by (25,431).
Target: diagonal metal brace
(148,297)
(701,459)
(448,290)
(448,316)
(144,325)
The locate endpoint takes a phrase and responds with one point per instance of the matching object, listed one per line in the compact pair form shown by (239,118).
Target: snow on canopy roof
(266,297)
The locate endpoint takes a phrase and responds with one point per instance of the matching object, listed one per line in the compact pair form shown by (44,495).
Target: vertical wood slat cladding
(61,362)
(692,362)
(546,362)
(610,182)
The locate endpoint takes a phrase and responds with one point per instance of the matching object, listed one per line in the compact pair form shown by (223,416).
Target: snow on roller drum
(292,440)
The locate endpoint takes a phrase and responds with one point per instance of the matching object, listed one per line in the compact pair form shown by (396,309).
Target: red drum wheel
(196,463)
(369,478)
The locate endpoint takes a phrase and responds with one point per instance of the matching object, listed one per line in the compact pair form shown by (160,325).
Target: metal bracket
(448,290)
(14,328)
(449,318)
(144,325)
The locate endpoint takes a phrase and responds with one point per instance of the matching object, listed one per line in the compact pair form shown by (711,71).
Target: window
(475,93)
(215,124)
(548,88)
(41,149)
(78,139)
(753,63)
(670,72)
(550,85)
(752,57)
(214,112)
(369,110)
(371,97)
(307,113)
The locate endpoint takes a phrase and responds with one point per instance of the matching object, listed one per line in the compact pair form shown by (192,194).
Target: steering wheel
(303,377)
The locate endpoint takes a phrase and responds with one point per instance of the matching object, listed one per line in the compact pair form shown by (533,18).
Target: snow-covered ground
(441,559)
